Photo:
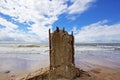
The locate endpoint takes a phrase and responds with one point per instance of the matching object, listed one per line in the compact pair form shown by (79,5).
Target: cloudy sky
(29,20)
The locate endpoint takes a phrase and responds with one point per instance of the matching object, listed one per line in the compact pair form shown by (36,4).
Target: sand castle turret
(62,55)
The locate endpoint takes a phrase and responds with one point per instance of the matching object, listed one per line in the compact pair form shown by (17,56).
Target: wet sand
(102,73)
(97,73)
(13,66)
(101,65)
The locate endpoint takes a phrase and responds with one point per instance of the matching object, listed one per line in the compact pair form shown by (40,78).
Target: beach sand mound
(101,73)
(43,74)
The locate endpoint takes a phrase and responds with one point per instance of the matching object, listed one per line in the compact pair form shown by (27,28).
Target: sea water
(30,57)
(92,55)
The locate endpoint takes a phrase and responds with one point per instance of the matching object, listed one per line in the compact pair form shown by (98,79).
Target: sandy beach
(98,73)
(100,62)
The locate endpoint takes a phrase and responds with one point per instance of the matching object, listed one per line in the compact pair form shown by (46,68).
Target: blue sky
(92,21)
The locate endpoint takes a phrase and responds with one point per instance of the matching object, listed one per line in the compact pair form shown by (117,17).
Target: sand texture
(98,73)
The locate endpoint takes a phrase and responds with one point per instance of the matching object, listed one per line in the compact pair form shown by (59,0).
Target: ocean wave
(29,45)
(97,48)
(118,49)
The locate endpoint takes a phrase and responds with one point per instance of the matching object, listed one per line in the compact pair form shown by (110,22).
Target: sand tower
(62,55)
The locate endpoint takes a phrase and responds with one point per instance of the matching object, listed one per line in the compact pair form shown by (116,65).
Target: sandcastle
(62,55)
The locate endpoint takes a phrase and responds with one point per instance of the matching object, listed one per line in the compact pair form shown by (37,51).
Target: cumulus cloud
(99,32)
(79,6)
(11,33)
(9,25)
(43,13)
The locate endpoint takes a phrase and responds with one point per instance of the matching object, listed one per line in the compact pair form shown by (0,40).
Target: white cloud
(79,6)
(99,32)
(42,12)
(11,33)
(9,25)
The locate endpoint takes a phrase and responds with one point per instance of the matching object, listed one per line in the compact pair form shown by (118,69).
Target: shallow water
(91,59)
(26,59)
(23,62)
